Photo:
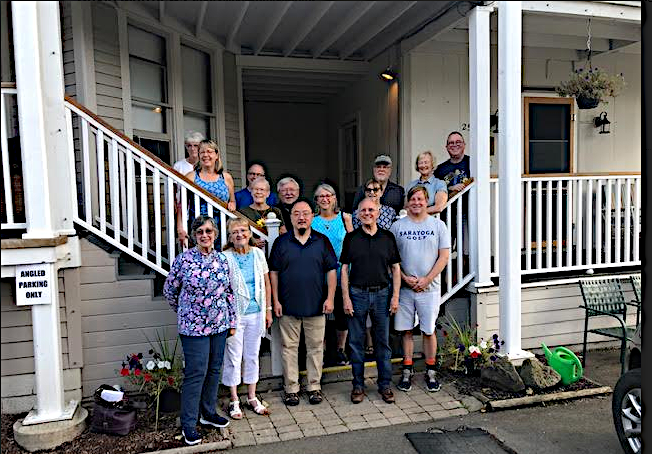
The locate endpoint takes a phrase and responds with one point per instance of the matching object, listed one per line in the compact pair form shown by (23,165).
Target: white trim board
(301,64)
(603,10)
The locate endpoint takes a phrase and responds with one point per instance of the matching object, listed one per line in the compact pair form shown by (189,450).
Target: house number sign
(34,284)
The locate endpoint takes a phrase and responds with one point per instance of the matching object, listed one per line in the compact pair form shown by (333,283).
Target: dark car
(627,406)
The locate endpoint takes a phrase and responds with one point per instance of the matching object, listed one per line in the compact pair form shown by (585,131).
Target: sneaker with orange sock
(405,383)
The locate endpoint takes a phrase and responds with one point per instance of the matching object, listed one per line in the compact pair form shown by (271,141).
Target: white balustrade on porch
(129,198)
(575,222)
(13,206)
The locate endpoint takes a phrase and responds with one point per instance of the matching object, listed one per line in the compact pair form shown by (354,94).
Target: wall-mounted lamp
(388,75)
(601,121)
(493,121)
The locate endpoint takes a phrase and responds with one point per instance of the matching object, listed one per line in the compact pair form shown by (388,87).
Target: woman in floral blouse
(199,290)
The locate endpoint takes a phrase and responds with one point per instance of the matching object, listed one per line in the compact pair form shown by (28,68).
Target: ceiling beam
(296,81)
(393,13)
(603,10)
(200,17)
(308,25)
(235,27)
(313,75)
(450,16)
(358,10)
(272,24)
(302,64)
(294,89)
(161,11)
(555,25)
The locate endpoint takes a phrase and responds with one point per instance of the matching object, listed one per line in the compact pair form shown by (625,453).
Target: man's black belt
(371,288)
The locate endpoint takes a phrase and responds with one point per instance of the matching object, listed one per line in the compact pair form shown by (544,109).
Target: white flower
(161,364)
(483,345)
(150,365)
(167,365)
(474,348)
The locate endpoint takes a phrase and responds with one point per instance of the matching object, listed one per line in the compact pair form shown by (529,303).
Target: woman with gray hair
(191,144)
(335,224)
(199,289)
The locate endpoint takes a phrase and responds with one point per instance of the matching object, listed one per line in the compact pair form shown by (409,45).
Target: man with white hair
(391,194)
(288,192)
(191,143)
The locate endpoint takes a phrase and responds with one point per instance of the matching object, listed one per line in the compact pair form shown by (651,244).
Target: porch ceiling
(342,30)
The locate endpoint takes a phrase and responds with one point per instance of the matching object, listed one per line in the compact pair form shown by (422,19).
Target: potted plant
(590,87)
(159,377)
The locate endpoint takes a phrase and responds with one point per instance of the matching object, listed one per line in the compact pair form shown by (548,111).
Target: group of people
(356,269)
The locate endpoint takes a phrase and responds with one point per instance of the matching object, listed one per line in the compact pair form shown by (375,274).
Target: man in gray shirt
(424,243)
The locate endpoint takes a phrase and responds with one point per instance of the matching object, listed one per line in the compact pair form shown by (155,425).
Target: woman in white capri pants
(252,291)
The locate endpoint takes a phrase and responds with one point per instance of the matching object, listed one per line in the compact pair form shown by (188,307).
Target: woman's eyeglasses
(372,189)
(324,196)
(207,231)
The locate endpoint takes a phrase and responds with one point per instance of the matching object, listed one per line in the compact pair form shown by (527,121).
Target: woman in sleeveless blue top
(208,174)
(334,224)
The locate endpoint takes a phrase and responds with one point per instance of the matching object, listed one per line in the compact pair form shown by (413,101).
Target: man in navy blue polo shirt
(298,263)
(369,252)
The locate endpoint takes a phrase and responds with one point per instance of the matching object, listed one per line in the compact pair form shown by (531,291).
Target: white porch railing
(127,196)
(12,206)
(575,222)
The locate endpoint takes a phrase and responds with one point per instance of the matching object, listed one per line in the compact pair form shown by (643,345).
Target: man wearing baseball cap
(392,194)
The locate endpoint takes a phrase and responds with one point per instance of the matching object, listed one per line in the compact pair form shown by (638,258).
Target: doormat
(462,440)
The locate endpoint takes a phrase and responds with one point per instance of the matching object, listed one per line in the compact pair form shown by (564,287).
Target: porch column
(479,91)
(509,175)
(48,182)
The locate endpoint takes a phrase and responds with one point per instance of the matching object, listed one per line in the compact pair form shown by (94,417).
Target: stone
(502,375)
(49,435)
(537,375)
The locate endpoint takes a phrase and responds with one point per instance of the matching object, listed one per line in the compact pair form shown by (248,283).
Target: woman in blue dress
(210,175)
(334,224)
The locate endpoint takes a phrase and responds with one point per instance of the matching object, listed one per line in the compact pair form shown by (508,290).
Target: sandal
(234,409)
(257,406)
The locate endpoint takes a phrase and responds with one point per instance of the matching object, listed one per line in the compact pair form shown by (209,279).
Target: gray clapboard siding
(232,117)
(24,318)
(22,385)
(126,337)
(119,322)
(16,350)
(113,290)
(67,46)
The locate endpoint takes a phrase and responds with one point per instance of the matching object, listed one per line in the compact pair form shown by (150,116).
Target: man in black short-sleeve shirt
(298,263)
(368,253)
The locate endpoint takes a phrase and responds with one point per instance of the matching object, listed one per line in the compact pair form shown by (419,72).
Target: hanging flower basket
(591,87)
(584,102)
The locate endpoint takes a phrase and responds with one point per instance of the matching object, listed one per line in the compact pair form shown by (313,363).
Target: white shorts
(426,305)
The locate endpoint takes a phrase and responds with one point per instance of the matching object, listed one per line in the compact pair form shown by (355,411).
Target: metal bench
(605,297)
(636,284)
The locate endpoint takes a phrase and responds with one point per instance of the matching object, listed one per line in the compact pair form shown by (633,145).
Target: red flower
(147,376)
(170,381)
(474,354)
(137,372)
(124,372)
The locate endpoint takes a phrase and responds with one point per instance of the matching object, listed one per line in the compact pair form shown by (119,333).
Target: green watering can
(565,362)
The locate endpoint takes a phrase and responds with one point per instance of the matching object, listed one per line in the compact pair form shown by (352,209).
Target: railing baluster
(496,229)
(449,265)
(100,179)
(184,211)
(209,207)
(130,199)
(549,224)
(460,240)
(6,176)
(222,228)
(528,224)
(598,222)
(578,225)
(559,217)
(123,192)
(617,230)
(197,206)
(607,223)
(589,222)
(637,217)
(144,209)
(114,190)
(156,181)
(169,211)
(569,223)
(88,205)
(628,223)
(539,226)
(71,151)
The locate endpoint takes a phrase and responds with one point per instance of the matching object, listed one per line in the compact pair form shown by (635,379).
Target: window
(548,135)
(151,111)
(197,94)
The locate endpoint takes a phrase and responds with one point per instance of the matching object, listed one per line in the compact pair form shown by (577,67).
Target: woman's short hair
(328,188)
(283,181)
(423,153)
(236,222)
(193,136)
(416,189)
(208,143)
(262,180)
(198,222)
(372,180)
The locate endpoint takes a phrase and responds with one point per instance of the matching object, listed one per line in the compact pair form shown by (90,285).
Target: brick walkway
(337,414)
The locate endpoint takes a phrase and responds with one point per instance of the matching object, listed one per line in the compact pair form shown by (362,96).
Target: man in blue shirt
(243,197)
(456,170)
(298,263)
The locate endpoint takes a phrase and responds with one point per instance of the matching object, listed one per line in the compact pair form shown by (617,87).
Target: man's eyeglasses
(255,174)
(372,189)
(457,142)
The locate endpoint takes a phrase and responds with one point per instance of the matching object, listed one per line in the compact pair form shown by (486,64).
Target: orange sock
(407,361)
(430,361)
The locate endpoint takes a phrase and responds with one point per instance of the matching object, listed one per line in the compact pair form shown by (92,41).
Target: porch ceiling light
(601,121)
(157,109)
(388,75)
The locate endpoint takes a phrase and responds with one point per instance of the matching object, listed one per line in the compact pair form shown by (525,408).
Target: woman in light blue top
(437,190)
(334,224)
(253,296)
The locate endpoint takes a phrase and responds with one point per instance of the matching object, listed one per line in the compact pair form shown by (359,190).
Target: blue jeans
(201,376)
(376,304)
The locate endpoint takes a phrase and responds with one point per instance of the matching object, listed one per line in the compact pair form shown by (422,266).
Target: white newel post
(479,197)
(509,175)
(273,224)
(48,184)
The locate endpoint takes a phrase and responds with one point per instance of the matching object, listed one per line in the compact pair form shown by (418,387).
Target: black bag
(116,418)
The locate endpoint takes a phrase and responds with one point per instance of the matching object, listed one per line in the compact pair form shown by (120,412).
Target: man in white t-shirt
(191,143)
(424,245)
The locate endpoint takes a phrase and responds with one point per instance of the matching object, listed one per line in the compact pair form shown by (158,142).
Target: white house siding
(17,348)
(549,314)
(232,119)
